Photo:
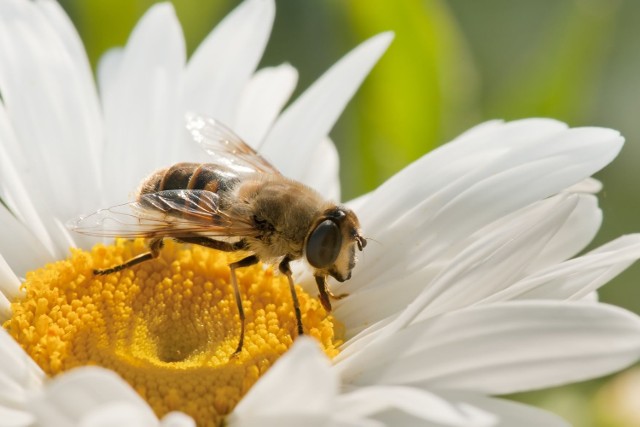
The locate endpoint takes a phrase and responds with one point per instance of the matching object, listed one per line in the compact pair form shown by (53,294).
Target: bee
(238,202)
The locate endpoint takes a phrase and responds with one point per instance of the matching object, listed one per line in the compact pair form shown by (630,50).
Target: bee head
(331,245)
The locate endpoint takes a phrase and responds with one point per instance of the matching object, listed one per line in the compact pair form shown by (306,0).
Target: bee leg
(286,270)
(321,281)
(154,250)
(325,293)
(339,296)
(212,243)
(245,262)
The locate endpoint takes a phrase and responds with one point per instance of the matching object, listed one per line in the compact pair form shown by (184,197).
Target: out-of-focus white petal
(357,203)
(177,419)
(142,107)
(223,63)
(588,186)
(13,190)
(261,101)
(300,386)
(109,415)
(5,308)
(506,412)
(47,87)
(10,417)
(68,35)
(591,297)
(406,406)
(108,69)
(322,174)
(291,142)
(19,375)
(91,395)
(9,282)
(502,348)
(20,249)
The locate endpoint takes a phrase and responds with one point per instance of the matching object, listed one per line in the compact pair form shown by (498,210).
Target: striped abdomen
(190,176)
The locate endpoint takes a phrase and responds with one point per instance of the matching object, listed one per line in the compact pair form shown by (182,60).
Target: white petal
(407,406)
(108,70)
(177,419)
(303,382)
(262,99)
(10,417)
(142,103)
(588,186)
(485,263)
(9,282)
(357,203)
(323,173)
(576,233)
(500,170)
(93,395)
(577,278)
(226,59)
(591,297)
(508,413)
(23,194)
(5,308)
(19,375)
(468,152)
(110,415)
(48,90)
(19,248)
(502,348)
(303,125)
(497,259)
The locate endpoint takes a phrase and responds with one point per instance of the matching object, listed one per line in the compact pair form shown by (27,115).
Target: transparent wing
(226,147)
(170,213)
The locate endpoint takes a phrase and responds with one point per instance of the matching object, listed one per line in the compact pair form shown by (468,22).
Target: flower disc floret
(169,326)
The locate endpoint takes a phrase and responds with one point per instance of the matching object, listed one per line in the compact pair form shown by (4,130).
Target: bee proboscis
(238,202)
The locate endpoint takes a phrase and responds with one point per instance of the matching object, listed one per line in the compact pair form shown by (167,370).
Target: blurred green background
(453,64)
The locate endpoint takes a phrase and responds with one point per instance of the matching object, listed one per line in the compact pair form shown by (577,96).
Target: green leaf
(417,96)
(558,77)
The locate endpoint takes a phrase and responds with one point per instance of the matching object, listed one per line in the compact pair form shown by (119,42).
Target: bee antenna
(361,241)
(369,239)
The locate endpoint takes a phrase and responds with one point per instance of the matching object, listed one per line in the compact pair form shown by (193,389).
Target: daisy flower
(467,289)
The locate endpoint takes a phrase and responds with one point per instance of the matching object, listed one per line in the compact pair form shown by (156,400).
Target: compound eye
(324,244)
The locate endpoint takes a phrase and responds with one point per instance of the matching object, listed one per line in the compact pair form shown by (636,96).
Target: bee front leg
(286,270)
(321,281)
(325,293)
(245,262)
(155,245)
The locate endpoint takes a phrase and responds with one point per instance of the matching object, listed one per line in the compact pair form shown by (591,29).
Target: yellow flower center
(169,326)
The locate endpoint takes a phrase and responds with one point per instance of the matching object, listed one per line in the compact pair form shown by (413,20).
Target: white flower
(467,288)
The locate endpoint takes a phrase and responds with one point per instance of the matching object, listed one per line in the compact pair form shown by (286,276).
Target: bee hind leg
(245,262)
(155,245)
(286,270)
(208,242)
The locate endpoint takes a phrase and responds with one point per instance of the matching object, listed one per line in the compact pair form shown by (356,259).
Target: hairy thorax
(283,212)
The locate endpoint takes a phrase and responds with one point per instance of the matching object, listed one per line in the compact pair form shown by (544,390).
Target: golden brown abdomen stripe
(190,176)
(205,177)
(177,176)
